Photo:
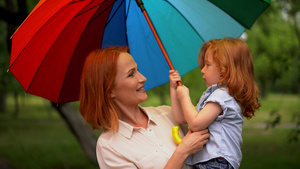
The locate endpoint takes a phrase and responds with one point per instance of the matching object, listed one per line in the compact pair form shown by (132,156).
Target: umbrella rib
(128,8)
(34,35)
(45,58)
(113,13)
(36,72)
(100,13)
(126,15)
(75,1)
(88,9)
(60,93)
(186,19)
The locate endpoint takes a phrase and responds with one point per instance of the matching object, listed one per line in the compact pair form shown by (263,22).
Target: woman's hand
(193,142)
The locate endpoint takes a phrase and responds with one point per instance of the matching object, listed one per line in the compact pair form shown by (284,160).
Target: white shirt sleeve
(112,159)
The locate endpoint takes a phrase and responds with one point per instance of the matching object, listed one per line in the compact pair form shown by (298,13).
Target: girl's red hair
(234,59)
(97,81)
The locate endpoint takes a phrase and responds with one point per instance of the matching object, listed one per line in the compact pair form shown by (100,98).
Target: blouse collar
(127,130)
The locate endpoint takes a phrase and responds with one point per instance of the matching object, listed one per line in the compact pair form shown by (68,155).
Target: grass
(269,149)
(38,138)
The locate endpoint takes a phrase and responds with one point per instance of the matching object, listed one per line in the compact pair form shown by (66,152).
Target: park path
(264,125)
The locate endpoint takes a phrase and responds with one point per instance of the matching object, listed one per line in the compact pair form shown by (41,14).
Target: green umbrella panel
(245,12)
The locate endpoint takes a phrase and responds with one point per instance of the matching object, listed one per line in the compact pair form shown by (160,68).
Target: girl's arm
(175,104)
(201,120)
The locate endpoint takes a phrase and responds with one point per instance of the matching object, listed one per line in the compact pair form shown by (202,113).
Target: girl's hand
(174,78)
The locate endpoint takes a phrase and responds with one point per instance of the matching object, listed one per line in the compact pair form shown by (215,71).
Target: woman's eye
(131,74)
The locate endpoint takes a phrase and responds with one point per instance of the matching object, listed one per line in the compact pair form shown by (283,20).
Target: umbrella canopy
(49,48)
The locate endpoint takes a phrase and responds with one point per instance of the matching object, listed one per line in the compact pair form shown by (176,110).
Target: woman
(133,136)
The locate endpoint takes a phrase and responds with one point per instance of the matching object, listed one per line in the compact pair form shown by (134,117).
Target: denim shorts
(216,163)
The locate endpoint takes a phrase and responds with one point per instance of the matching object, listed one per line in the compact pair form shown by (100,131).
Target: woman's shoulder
(163,109)
(105,136)
(160,112)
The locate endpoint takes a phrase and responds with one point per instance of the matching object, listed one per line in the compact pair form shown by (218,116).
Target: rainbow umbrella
(49,48)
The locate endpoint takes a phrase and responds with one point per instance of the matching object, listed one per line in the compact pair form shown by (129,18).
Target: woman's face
(129,83)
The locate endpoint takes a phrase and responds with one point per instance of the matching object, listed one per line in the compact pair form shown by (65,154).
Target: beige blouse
(136,147)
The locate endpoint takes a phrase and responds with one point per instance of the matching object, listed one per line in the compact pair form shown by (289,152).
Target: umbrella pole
(141,5)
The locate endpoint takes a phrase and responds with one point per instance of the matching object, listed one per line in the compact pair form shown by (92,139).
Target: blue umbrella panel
(182,27)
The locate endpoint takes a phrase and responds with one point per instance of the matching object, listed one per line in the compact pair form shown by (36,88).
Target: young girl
(227,68)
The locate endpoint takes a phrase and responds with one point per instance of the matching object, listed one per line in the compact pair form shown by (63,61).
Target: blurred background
(35,133)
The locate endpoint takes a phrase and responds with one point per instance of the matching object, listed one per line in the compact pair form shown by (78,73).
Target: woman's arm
(191,143)
(197,121)
(175,104)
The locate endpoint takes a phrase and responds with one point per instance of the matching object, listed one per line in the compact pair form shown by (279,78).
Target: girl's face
(129,83)
(211,73)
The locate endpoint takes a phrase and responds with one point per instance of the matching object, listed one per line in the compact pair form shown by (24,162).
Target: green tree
(274,43)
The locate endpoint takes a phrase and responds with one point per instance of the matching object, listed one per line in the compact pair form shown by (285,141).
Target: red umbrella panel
(62,57)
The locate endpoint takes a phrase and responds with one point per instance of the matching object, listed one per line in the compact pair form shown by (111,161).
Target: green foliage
(4,59)
(274,120)
(274,43)
(295,133)
(31,4)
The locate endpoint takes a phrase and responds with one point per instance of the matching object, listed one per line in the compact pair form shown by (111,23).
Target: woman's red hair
(97,81)
(234,59)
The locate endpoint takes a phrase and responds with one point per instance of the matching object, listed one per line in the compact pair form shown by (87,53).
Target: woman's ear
(112,94)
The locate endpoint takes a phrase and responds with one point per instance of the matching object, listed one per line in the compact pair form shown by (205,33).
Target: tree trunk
(79,128)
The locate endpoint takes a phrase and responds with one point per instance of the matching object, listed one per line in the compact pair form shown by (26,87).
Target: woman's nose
(142,78)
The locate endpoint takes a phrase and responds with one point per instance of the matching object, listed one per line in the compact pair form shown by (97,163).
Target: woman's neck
(133,116)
